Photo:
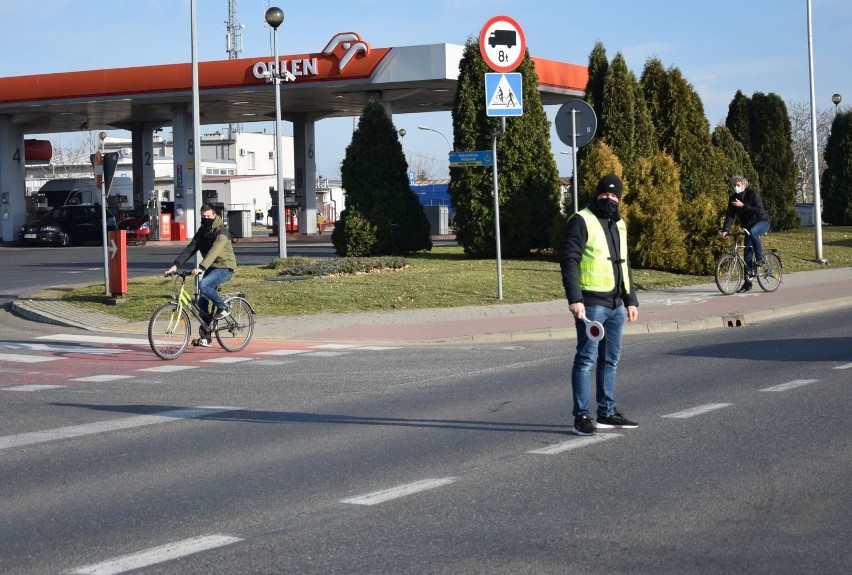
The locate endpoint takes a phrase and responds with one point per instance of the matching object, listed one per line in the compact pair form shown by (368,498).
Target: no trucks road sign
(502,44)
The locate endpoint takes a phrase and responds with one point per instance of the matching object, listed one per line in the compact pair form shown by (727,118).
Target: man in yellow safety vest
(598,283)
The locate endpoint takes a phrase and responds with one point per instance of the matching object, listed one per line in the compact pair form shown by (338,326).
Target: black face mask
(206,224)
(606,207)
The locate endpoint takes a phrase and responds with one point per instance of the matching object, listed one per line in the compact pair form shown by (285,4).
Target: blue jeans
(603,355)
(753,246)
(212,279)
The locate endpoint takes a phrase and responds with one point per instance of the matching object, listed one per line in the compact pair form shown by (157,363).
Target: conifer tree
(528,181)
(656,237)
(618,110)
(386,214)
(761,124)
(836,183)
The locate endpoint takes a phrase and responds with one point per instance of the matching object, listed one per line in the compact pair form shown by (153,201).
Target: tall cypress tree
(836,184)
(374,176)
(761,124)
(528,181)
(618,111)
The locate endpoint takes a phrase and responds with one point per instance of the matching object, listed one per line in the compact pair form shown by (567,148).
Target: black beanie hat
(609,183)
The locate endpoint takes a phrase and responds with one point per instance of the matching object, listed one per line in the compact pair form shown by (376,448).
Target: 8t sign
(502,44)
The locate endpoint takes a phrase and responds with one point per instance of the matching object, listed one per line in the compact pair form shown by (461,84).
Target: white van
(71,191)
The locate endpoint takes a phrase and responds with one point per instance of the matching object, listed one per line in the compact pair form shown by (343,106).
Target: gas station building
(336,82)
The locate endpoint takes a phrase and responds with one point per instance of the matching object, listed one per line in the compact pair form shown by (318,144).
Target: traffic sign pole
(503,46)
(494,137)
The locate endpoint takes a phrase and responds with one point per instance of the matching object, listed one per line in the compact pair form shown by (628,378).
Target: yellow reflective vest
(596,271)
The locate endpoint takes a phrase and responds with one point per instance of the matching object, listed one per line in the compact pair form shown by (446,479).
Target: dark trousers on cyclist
(753,246)
(210,282)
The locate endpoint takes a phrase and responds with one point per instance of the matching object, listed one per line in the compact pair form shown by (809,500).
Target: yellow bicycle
(170,328)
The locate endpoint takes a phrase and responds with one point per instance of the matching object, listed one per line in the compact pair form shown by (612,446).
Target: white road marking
(400,491)
(790,385)
(109,425)
(844,366)
(26,358)
(333,346)
(168,368)
(697,410)
(280,352)
(377,348)
(574,443)
(325,353)
(96,339)
(232,359)
(60,348)
(157,555)
(33,387)
(102,378)
(272,361)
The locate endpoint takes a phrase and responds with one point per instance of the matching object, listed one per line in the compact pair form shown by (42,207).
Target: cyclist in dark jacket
(214,243)
(747,205)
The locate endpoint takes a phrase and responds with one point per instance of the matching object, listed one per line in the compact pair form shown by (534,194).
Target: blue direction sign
(504,94)
(470,159)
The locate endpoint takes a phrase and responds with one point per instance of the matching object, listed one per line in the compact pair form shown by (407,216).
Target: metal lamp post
(102,137)
(275,17)
(836,99)
(428,129)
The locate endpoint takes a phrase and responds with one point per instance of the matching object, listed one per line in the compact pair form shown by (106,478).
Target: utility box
(438,217)
(166,227)
(239,223)
(178,231)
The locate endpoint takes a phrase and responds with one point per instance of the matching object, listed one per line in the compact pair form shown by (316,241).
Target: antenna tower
(233,45)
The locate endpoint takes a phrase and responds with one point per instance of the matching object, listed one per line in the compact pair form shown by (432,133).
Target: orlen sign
(345,56)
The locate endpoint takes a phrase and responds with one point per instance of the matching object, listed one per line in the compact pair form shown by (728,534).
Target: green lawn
(444,277)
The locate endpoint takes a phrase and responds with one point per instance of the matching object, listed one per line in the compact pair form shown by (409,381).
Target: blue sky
(720,46)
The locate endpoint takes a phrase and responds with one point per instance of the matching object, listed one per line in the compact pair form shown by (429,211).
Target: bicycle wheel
(235,331)
(769,274)
(169,331)
(729,274)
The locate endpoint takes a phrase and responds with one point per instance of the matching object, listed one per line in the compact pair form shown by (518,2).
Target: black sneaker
(583,425)
(204,342)
(615,421)
(745,287)
(750,274)
(223,313)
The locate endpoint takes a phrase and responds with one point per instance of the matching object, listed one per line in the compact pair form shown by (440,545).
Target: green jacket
(214,243)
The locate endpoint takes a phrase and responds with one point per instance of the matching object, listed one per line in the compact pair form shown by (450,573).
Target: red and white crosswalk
(67,360)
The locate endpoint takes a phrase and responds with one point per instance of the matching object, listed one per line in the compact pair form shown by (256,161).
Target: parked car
(137,225)
(66,225)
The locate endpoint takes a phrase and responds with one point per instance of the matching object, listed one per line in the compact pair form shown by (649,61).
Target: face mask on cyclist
(738,189)
(206,223)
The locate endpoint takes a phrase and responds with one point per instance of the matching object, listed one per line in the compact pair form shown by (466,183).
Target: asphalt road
(434,459)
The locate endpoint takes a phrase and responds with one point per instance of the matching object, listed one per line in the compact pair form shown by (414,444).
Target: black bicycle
(731,268)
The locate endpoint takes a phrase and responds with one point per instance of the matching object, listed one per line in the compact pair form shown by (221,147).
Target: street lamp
(275,17)
(428,129)
(836,99)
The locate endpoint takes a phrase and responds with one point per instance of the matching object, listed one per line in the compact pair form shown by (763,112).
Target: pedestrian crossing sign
(504,94)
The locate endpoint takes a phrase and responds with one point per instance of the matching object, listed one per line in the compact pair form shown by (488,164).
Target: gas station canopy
(337,82)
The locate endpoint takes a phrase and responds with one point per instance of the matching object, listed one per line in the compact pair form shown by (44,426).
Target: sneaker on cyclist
(745,287)
(222,313)
(615,421)
(204,342)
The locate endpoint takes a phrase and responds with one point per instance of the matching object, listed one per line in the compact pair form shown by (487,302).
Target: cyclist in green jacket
(217,266)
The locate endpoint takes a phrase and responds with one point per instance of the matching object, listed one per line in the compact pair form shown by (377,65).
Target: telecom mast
(233,45)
